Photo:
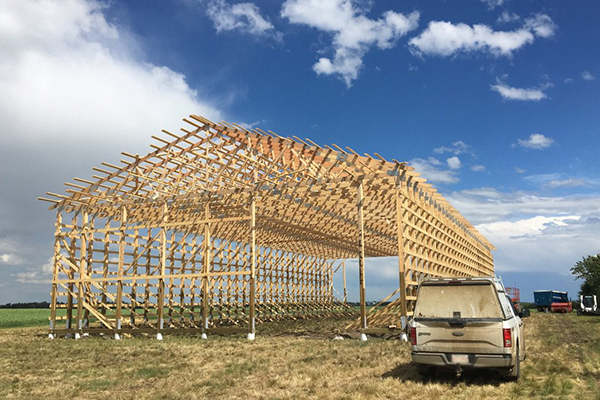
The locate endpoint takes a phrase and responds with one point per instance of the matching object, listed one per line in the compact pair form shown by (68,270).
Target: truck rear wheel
(515,372)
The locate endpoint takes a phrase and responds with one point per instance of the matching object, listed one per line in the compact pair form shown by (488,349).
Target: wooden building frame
(220,227)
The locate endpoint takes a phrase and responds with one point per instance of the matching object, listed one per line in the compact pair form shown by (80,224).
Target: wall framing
(219,228)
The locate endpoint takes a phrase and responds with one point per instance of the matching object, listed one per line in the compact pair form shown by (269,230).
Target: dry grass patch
(294,360)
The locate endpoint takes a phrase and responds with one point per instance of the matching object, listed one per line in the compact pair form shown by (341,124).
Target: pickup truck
(466,323)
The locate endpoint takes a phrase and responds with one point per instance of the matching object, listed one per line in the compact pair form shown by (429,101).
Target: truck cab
(466,323)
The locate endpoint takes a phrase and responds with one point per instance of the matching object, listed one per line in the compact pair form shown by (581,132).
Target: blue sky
(496,102)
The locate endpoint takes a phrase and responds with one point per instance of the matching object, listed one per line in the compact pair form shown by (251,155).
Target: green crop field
(292,360)
(24,317)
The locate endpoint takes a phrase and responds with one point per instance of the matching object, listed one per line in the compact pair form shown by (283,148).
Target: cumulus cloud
(431,170)
(453,162)
(587,76)
(442,38)
(513,93)
(242,17)
(536,141)
(520,170)
(353,33)
(478,168)
(76,90)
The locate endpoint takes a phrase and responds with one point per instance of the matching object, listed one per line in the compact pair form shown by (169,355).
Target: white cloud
(536,141)
(587,76)
(520,170)
(570,182)
(507,17)
(493,3)
(568,80)
(10,259)
(38,276)
(453,162)
(243,17)
(354,34)
(542,25)
(513,93)
(524,227)
(76,90)
(559,180)
(457,148)
(429,169)
(478,168)
(442,38)
(533,233)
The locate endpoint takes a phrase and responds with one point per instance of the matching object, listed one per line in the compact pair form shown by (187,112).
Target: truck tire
(424,370)
(515,372)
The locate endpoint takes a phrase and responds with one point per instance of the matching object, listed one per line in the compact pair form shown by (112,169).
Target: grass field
(295,360)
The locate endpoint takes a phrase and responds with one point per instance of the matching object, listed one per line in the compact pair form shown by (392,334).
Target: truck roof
(553,291)
(447,280)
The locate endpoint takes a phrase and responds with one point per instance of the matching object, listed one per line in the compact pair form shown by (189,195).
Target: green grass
(25,317)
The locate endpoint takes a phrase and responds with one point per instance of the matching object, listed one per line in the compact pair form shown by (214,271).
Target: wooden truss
(221,227)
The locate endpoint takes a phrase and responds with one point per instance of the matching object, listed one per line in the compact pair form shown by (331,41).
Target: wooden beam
(361,256)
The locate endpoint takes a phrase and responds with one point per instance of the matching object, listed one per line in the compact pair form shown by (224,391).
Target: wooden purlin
(305,198)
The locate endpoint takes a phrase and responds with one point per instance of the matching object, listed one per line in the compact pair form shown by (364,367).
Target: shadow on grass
(407,372)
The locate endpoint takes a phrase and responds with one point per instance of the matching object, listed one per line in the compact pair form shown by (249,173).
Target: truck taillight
(507,337)
(413,336)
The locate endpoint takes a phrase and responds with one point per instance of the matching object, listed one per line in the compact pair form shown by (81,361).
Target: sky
(495,102)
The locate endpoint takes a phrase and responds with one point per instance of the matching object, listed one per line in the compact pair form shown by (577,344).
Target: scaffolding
(219,228)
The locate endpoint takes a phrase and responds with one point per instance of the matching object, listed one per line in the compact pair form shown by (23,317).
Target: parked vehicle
(464,323)
(552,301)
(515,295)
(588,305)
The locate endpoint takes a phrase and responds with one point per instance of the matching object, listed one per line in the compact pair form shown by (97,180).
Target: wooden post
(252,263)
(55,267)
(161,280)
(121,262)
(82,268)
(401,269)
(361,257)
(206,268)
(344,275)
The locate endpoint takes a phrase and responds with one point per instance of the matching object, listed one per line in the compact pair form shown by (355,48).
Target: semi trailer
(552,301)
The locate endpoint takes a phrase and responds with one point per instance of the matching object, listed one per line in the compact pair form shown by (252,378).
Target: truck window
(458,301)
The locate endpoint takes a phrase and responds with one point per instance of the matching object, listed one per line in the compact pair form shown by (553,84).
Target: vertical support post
(161,280)
(361,257)
(206,269)
(252,327)
(82,268)
(71,274)
(344,275)
(54,291)
(401,268)
(120,264)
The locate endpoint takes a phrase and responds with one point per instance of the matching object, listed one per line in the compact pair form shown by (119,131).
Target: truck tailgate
(460,337)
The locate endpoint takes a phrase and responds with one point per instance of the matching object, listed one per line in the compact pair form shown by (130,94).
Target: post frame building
(219,228)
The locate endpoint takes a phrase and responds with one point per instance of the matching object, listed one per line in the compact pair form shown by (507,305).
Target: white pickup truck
(465,323)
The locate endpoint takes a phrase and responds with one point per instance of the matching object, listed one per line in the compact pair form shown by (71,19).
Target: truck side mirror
(524,313)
